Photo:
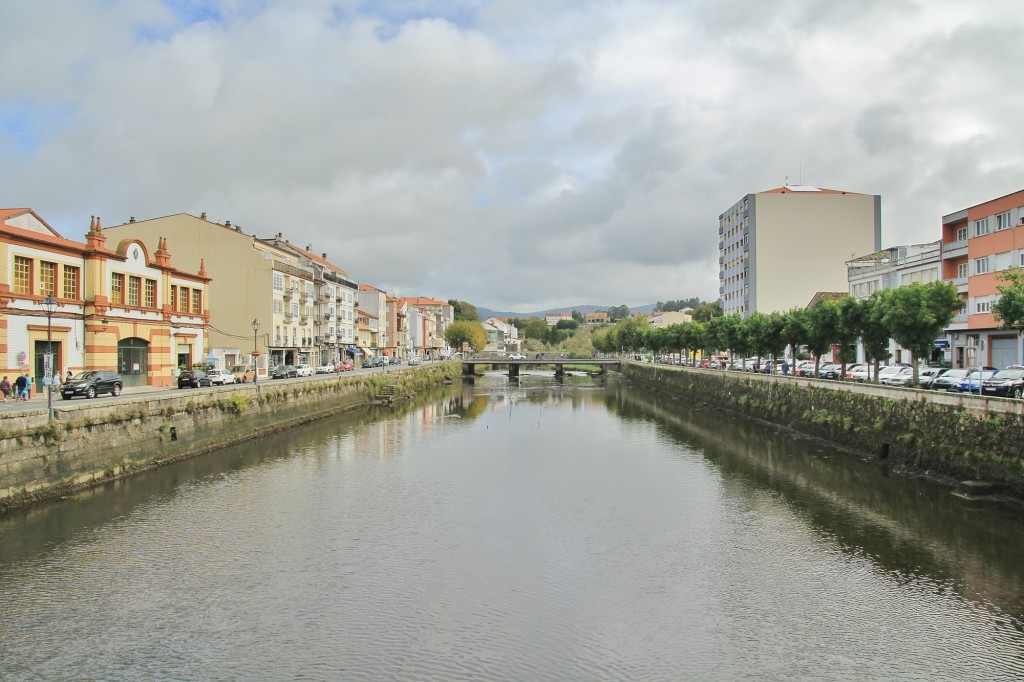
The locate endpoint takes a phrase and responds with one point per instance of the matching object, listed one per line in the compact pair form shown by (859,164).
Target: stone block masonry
(93,442)
(947,436)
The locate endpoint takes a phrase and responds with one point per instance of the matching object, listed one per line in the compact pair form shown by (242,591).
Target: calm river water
(531,531)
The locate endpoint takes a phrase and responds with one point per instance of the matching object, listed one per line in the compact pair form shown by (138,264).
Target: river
(538,530)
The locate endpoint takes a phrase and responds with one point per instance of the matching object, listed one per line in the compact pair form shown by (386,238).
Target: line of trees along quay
(913,316)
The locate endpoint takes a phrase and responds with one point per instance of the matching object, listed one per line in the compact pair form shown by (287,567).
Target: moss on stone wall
(915,433)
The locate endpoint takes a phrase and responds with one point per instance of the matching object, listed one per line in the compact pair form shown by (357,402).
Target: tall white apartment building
(777,248)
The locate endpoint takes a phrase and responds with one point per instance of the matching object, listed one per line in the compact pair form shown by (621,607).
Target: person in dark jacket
(21,387)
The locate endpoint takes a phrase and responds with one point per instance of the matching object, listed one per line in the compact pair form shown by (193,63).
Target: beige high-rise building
(778,247)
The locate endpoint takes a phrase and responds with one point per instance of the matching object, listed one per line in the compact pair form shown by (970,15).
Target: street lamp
(255,351)
(50,303)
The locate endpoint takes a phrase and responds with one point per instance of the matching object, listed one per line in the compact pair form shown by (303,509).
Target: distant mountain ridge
(485,313)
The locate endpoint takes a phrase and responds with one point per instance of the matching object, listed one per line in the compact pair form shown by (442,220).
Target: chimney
(227,223)
(237,228)
(131,220)
(202,216)
(324,256)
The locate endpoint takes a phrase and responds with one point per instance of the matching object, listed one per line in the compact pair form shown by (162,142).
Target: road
(38,400)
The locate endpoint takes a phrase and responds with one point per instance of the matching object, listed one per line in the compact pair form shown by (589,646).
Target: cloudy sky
(516,154)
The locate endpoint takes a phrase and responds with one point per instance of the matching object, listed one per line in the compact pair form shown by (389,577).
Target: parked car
(193,378)
(890,370)
(1008,383)
(243,373)
(415,360)
(327,368)
(220,378)
(948,380)
(860,371)
(926,375)
(898,378)
(516,356)
(972,382)
(284,372)
(92,383)
(304,370)
(804,368)
(343,366)
(380,361)
(830,370)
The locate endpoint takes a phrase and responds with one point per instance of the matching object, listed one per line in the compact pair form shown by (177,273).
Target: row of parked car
(1008,382)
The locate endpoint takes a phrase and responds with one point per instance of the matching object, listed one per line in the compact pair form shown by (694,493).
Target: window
(183,299)
(22,275)
(278,281)
(1003,260)
(982,306)
(1003,221)
(117,288)
(150,295)
(980,227)
(961,270)
(174,297)
(981,265)
(47,278)
(278,306)
(295,309)
(134,284)
(70,281)
(961,234)
(197,302)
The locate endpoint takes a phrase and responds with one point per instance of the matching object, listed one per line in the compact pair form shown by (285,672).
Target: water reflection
(527,529)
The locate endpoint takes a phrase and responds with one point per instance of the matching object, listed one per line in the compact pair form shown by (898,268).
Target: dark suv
(91,383)
(1006,382)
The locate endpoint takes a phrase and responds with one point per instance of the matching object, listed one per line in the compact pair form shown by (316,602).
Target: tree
(465,331)
(824,330)
(463,310)
(577,315)
(917,313)
(705,312)
(875,334)
(796,329)
(531,327)
(849,330)
(619,312)
(1009,309)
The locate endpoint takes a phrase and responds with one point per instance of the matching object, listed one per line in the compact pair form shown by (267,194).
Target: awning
(941,343)
(352,350)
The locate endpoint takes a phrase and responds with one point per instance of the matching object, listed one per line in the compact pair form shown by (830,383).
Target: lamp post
(255,351)
(50,303)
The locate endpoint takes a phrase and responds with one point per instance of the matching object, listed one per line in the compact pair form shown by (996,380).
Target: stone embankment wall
(951,436)
(91,442)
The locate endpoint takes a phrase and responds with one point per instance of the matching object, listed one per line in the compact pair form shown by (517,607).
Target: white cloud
(511,153)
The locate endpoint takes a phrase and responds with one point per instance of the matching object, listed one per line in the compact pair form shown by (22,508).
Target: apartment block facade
(895,267)
(778,247)
(979,242)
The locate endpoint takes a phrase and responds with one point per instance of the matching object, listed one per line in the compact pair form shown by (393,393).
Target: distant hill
(487,312)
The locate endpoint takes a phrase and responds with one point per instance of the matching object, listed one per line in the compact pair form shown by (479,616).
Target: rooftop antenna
(786,182)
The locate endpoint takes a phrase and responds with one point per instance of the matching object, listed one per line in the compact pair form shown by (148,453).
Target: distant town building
(778,247)
(668,318)
(596,317)
(554,318)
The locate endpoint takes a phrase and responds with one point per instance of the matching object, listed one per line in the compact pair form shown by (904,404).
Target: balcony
(954,249)
(289,318)
(289,293)
(961,284)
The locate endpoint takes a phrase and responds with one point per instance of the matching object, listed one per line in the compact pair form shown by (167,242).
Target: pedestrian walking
(21,387)
(5,388)
(56,380)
